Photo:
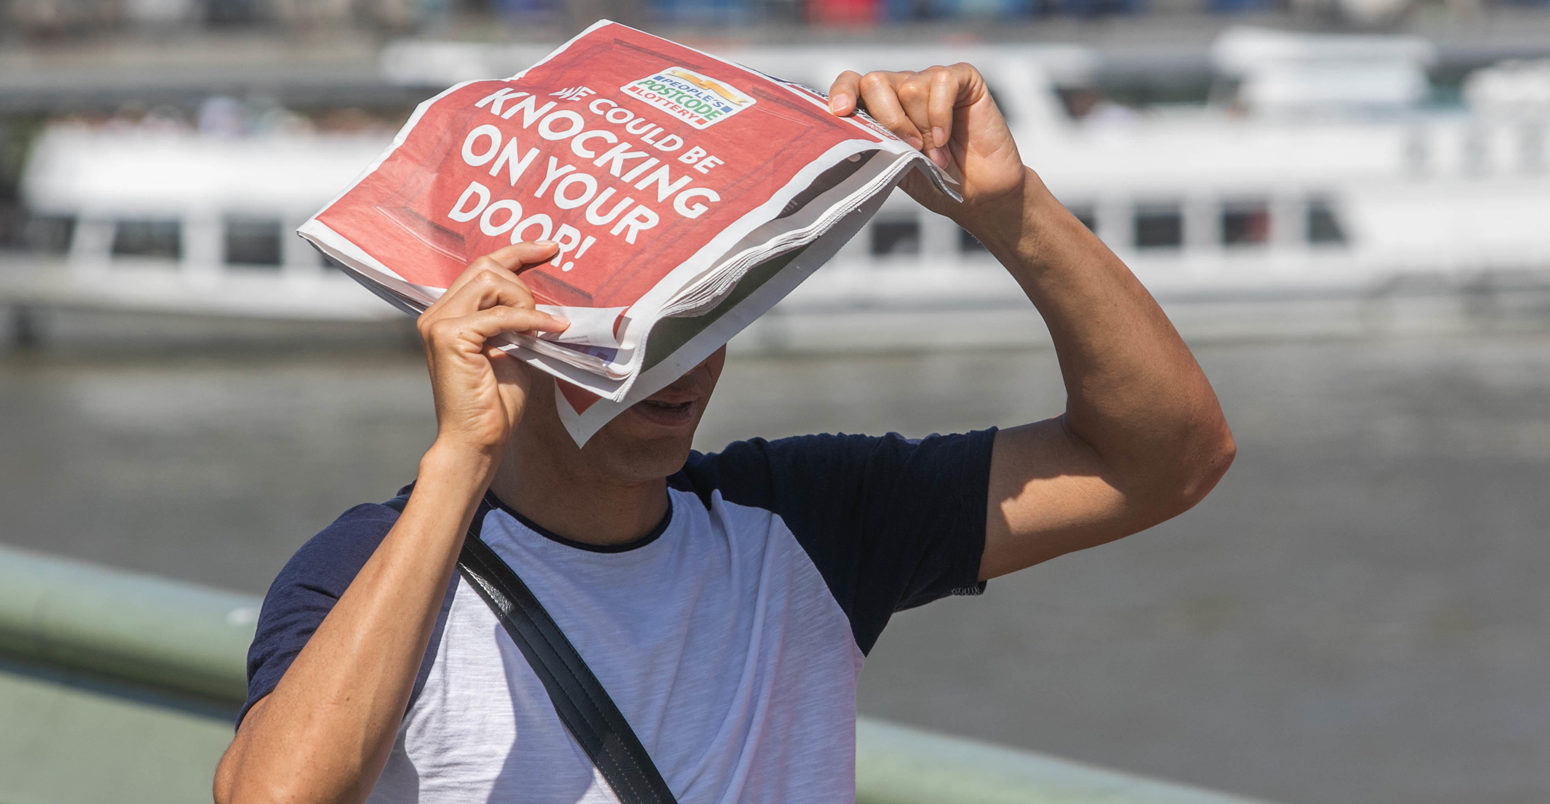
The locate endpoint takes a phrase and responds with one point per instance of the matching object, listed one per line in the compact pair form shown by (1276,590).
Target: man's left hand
(948,113)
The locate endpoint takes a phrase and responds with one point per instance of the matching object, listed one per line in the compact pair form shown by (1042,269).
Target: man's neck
(581,507)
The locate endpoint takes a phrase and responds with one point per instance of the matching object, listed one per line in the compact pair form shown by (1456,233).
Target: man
(725,603)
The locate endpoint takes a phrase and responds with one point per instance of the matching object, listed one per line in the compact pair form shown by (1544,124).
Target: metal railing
(121,686)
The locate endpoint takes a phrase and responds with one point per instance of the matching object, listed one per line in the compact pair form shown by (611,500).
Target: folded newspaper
(687,195)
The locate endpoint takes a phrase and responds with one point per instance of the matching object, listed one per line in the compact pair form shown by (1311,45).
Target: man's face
(651,439)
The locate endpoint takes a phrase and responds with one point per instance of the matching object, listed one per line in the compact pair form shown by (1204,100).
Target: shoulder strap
(578,697)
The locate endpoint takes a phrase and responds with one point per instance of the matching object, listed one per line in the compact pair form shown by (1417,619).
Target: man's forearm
(1136,396)
(325,731)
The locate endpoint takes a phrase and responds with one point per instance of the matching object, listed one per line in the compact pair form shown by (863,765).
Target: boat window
(48,234)
(1159,226)
(969,244)
(1323,226)
(1084,101)
(162,239)
(253,242)
(895,237)
(1245,223)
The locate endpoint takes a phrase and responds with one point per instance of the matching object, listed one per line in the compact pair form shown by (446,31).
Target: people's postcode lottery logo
(685,94)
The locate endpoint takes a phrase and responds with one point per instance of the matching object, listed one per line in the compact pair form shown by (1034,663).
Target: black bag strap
(578,697)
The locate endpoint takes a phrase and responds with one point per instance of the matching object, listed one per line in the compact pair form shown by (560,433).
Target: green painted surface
(901,765)
(64,743)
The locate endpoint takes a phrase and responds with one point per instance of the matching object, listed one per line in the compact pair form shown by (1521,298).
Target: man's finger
(475,329)
(487,286)
(844,92)
(881,100)
(914,93)
(493,279)
(945,90)
(508,258)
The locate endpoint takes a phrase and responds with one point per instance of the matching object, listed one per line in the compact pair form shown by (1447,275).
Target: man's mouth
(665,411)
(667,407)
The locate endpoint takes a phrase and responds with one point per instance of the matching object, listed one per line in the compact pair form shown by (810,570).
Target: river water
(1358,613)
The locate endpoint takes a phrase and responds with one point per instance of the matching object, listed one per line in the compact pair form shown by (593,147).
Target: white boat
(171,221)
(1321,194)
(1315,196)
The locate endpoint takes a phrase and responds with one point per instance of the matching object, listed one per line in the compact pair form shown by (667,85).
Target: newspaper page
(665,175)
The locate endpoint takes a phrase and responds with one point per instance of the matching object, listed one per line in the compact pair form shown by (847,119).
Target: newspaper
(687,195)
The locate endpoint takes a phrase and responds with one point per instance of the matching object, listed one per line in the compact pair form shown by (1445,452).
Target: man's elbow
(1203,460)
(1176,477)
(223,788)
(228,789)
(236,785)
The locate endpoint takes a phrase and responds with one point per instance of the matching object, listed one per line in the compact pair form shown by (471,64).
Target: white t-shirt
(731,637)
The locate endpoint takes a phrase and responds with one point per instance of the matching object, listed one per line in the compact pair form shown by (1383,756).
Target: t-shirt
(731,637)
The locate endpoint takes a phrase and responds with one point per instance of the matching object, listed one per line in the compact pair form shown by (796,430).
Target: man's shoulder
(745,471)
(331,559)
(762,452)
(753,471)
(305,590)
(822,448)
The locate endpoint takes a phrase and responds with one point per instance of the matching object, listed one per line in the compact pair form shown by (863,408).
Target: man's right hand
(480,390)
(326,730)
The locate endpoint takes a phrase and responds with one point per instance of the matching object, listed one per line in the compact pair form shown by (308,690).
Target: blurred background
(1343,204)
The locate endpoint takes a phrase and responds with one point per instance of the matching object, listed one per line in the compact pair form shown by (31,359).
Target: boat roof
(1290,72)
(122,172)
(436,63)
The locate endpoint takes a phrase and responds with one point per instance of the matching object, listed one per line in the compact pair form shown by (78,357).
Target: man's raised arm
(324,733)
(1142,438)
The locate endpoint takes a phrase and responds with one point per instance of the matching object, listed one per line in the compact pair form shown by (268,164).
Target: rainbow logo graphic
(696,99)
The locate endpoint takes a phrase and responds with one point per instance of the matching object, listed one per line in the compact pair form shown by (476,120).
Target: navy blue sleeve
(306,590)
(890,522)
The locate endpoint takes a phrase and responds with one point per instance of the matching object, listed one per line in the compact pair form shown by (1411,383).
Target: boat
(168,220)
(1320,191)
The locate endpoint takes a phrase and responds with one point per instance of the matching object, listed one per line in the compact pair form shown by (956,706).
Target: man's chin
(651,441)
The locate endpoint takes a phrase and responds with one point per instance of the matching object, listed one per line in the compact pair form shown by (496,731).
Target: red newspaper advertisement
(665,175)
